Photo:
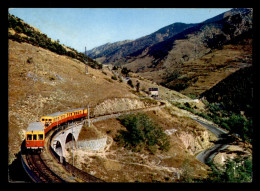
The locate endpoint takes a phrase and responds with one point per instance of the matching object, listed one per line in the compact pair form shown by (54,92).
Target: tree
(130,83)
(138,86)
(125,71)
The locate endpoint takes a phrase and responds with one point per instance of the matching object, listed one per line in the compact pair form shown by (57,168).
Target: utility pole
(73,150)
(86,66)
(88,117)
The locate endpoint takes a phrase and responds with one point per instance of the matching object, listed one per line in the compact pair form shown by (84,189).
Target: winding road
(208,154)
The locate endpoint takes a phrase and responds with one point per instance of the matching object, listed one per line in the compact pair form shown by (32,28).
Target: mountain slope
(192,53)
(41,82)
(172,62)
(20,31)
(113,53)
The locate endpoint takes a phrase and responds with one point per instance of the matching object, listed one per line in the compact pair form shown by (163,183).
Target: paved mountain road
(208,154)
(217,131)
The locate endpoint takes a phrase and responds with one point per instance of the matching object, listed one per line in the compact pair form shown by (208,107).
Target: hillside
(41,82)
(115,53)
(20,31)
(239,98)
(186,60)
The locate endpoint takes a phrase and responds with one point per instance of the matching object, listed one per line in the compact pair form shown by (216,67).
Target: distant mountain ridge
(112,52)
(115,51)
(170,55)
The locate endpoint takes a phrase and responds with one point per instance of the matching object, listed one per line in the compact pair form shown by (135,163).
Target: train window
(49,119)
(34,137)
(40,137)
(42,119)
(29,137)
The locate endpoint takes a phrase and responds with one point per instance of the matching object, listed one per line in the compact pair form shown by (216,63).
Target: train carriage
(76,113)
(35,137)
(53,120)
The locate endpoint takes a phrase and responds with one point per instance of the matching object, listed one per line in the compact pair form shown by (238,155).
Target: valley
(192,59)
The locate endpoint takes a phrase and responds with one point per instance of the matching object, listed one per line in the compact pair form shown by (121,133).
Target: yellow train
(35,134)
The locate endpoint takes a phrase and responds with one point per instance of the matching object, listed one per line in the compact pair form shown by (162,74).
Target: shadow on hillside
(16,172)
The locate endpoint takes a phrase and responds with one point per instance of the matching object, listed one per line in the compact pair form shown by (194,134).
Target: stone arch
(59,148)
(70,141)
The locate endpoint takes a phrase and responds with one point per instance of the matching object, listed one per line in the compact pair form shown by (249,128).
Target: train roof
(63,112)
(55,114)
(71,110)
(35,126)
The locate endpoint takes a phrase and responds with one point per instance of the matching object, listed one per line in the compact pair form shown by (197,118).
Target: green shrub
(71,54)
(125,71)
(113,77)
(234,171)
(18,29)
(142,133)
(130,83)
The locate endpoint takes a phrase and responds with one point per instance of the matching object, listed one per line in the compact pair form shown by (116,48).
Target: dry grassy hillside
(198,75)
(115,163)
(41,82)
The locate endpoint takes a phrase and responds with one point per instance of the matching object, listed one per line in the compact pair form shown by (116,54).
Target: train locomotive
(35,136)
(36,131)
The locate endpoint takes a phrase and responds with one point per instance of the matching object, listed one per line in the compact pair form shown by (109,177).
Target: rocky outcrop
(231,152)
(115,105)
(197,140)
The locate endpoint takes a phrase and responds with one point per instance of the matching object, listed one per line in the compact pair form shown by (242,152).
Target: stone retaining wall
(94,145)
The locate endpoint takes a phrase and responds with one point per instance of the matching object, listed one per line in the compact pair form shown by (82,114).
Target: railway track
(40,172)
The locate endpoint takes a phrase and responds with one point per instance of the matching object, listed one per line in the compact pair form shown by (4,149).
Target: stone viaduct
(66,139)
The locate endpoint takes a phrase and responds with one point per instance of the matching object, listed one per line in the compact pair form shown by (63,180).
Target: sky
(91,27)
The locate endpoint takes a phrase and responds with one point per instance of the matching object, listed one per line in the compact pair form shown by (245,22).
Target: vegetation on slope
(231,103)
(238,170)
(239,96)
(142,133)
(26,33)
